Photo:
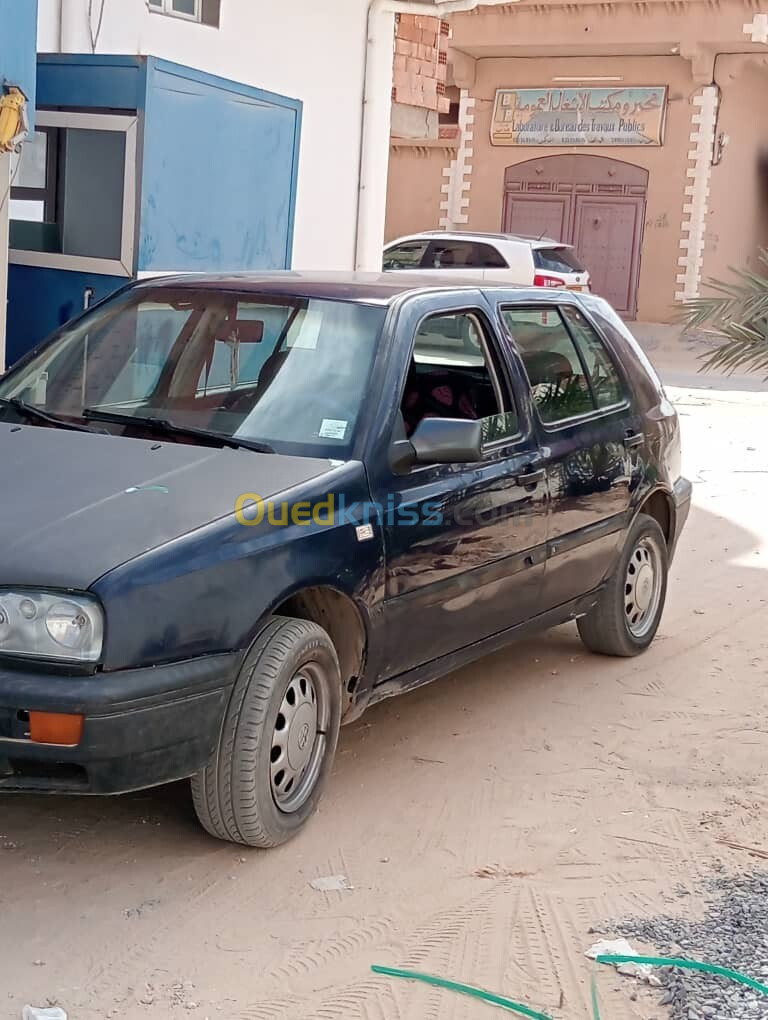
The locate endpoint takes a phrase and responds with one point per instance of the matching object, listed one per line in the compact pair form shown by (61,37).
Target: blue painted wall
(41,300)
(216,181)
(219,175)
(18,48)
(114,83)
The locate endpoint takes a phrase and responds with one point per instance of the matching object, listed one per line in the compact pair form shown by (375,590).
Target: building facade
(205,83)
(173,135)
(298,49)
(176,136)
(635,131)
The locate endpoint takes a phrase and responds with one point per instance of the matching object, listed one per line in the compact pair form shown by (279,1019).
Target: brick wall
(421,62)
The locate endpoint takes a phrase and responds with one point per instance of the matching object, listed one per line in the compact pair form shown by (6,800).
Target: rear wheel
(278,738)
(625,620)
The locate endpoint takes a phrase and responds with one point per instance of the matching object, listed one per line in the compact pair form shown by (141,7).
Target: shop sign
(579,116)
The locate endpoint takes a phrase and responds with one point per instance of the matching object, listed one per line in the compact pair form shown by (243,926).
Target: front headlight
(50,625)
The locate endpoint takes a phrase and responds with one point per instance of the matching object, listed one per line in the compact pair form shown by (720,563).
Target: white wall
(313,50)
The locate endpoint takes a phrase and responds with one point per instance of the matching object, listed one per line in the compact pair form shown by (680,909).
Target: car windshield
(557,260)
(289,372)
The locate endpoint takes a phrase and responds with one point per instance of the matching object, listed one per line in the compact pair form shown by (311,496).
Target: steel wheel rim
(642,587)
(299,742)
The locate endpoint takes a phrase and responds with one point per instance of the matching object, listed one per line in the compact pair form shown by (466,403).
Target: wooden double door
(595,203)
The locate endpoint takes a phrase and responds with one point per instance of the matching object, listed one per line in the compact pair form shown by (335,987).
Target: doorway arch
(595,203)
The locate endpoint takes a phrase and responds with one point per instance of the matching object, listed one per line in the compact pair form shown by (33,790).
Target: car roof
(367,288)
(460,235)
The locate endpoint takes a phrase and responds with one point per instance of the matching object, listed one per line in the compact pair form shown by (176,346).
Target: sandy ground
(484,823)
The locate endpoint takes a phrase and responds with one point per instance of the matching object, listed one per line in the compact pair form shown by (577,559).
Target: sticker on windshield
(308,333)
(332,428)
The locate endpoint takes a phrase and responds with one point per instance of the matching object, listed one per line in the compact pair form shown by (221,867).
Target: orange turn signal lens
(54,728)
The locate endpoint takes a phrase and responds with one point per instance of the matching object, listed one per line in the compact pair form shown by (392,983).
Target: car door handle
(531,477)
(632,439)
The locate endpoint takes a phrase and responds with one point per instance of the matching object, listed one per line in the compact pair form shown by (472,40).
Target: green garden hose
(453,986)
(670,961)
(516,1007)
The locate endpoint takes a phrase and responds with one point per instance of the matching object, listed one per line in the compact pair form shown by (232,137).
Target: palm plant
(737,314)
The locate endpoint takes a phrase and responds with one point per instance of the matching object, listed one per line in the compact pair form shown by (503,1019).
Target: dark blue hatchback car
(239,510)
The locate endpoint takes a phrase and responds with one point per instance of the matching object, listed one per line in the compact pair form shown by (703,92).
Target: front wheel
(625,620)
(278,739)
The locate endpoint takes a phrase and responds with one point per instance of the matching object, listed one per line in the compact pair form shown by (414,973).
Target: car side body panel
(183,612)
(209,591)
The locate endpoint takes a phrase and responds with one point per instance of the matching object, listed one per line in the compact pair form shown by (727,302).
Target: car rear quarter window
(645,378)
(489,257)
(557,260)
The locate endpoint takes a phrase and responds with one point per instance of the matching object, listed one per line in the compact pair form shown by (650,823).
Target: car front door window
(452,375)
(407,255)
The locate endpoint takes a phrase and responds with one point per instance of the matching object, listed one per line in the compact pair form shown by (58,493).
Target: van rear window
(557,260)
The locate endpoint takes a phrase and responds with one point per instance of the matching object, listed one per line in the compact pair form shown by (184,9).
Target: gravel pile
(733,933)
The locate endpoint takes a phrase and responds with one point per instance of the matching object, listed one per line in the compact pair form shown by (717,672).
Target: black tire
(234,795)
(608,628)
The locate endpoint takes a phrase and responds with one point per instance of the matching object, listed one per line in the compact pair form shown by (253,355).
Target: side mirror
(448,441)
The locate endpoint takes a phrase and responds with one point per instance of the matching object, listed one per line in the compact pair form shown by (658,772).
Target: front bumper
(142,727)
(681,495)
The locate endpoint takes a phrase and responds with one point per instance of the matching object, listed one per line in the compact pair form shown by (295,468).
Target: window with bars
(205,12)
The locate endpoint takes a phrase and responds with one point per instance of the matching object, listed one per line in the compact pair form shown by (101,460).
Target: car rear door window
(453,375)
(606,382)
(570,371)
(457,254)
(407,255)
(559,382)
(450,255)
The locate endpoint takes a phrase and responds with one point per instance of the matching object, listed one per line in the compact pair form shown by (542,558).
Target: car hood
(77,504)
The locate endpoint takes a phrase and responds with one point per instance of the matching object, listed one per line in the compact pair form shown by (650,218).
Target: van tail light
(548,281)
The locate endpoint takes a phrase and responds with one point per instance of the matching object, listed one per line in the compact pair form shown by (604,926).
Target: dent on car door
(465,542)
(589,434)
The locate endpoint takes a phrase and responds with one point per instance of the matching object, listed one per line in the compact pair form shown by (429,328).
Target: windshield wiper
(33,413)
(170,428)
